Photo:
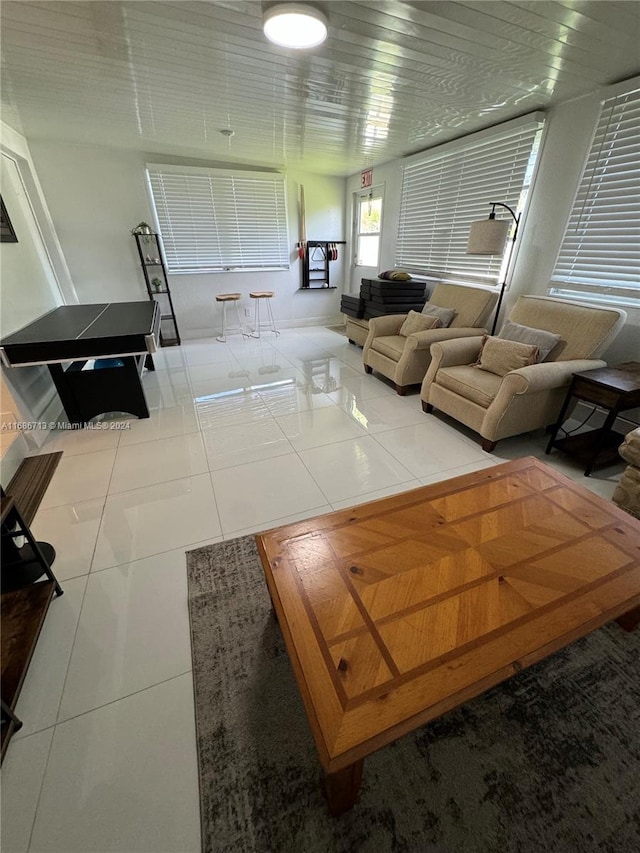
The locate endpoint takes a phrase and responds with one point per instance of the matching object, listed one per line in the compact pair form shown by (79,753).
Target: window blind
(216,219)
(451,186)
(600,255)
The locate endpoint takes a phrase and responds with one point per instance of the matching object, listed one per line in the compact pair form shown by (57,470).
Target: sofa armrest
(423,340)
(549,374)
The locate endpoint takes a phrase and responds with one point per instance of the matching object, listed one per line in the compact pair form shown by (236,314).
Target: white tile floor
(242,436)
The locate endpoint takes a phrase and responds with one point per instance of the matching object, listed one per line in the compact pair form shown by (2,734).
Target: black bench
(24,605)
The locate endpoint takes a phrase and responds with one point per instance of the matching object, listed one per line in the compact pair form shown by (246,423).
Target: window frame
(368,194)
(225,205)
(601,286)
(487,270)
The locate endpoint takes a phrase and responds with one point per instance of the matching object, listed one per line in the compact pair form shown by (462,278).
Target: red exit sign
(366,178)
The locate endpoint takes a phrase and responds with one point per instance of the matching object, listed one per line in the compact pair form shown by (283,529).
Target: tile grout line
(86,584)
(66,674)
(41,787)
(129,491)
(122,698)
(84,593)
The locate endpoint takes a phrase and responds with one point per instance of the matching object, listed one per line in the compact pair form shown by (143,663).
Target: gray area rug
(548,761)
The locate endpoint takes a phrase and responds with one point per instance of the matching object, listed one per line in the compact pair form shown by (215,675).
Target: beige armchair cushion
(501,356)
(391,346)
(479,386)
(529,397)
(416,322)
(545,341)
(446,315)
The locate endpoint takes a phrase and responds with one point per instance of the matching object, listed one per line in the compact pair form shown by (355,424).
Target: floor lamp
(489,237)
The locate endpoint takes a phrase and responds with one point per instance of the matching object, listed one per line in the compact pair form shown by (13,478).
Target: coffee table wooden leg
(630,621)
(342,788)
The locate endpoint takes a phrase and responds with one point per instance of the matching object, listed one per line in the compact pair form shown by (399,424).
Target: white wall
(29,286)
(34,279)
(97,194)
(15,145)
(569,129)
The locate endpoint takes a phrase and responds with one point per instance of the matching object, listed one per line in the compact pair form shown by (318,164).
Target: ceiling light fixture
(295,25)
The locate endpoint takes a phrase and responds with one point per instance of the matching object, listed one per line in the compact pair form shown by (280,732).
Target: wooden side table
(614,388)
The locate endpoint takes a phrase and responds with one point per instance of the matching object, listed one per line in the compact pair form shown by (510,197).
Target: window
(368,211)
(214,219)
(600,255)
(449,187)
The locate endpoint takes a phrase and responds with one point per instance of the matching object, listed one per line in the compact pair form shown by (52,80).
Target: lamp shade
(295,25)
(487,237)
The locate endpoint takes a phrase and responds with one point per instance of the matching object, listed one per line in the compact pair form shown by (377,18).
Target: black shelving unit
(315,264)
(154,271)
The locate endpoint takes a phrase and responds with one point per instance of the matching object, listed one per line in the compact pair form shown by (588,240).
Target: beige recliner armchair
(529,397)
(627,493)
(405,360)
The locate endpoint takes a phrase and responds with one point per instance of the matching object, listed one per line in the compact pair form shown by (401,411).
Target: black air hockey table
(95,353)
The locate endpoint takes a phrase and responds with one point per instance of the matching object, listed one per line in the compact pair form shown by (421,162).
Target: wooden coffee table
(399,610)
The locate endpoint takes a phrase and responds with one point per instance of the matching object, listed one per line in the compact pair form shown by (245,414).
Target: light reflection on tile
(352,468)
(263,491)
(238,444)
(158,518)
(140,465)
(72,529)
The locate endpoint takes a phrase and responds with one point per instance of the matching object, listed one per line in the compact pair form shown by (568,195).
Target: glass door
(367,228)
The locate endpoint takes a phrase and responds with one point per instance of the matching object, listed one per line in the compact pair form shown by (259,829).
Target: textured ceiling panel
(392,77)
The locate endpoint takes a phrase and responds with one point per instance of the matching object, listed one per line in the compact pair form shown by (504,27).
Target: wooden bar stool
(225,298)
(269,323)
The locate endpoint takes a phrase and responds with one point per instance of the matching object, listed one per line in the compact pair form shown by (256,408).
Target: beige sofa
(627,493)
(529,397)
(405,360)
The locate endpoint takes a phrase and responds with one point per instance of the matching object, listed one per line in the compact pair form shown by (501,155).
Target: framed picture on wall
(7,234)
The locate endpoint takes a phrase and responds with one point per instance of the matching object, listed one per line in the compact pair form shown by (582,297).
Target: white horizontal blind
(450,187)
(216,219)
(600,254)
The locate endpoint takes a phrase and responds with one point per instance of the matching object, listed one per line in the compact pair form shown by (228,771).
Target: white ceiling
(392,78)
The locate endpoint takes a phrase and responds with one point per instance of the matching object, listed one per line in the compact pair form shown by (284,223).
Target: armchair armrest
(531,397)
(451,353)
(549,374)
(380,327)
(423,340)
(388,325)
(455,352)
